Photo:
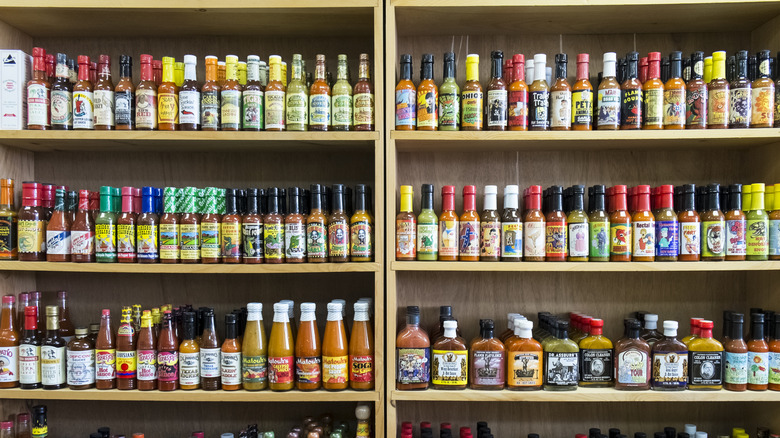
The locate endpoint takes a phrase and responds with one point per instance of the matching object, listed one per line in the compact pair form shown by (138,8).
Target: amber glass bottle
(690,226)
(696,95)
(643,227)
(469,227)
(632,360)
(405,97)
(582,96)
(719,96)
(763,94)
(518,96)
(653,94)
(631,105)
(487,359)
(497,95)
(620,227)
(556,242)
(674,95)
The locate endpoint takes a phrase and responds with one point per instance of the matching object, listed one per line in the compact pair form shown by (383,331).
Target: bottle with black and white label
(670,361)
(30,351)
(210,359)
(539,97)
(230,364)
(561,360)
(705,360)
(53,369)
(189,96)
(596,357)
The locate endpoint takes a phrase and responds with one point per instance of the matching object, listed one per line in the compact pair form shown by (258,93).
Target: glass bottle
(62,96)
(631,106)
(230,97)
(609,96)
(596,357)
(497,95)
(105,228)
(674,98)
(582,96)
(524,358)
(104,96)
(560,96)
(469,226)
(230,364)
(487,359)
(735,377)
(653,94)
(58,240)
(719,97)
(363,98)
(254,348)
(210,354)
(763,94)
(758,355)
(757,226)
(319,99)
(705,359)
(774,222)
(578,226)
(539,98)
(511,227)
(670,365)
(405,97)
(643,227)
(338,228)
(598,225)
(774,354)
(650,332)
(666,227)
(105,354)
(335,355)
(713,226)
(361,228)
(736,225)
(449,96)
(696,93)
(126,360)
(534,226)
(30,351)
(561,359)
(341,103)
(81,361)
(449,368)
(308,361)
(167,355)
(209,97)
(189,97)
(53,362)
(427,227)
(490,227)
(471,97)
(281,350)
(38,97)
(126,229)
(632,360)
(448,226)
(9,342)
(275,96)
(230,229)
(740,94)
(252,110)
(620,226)
(361,350)
(689,226)
(31,225)
(297,105)
(146,97)
(8,221)
(517,106)
(427,97)
(556,247)
(316,227)
(413,353)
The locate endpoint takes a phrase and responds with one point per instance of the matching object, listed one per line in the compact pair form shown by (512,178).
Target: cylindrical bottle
(58,239)
(582,96)
(363,98)
(609,96)
(534,227)
(511,227)
(30,351)
(147,354)
(53,360)
(427,227)
(338,227)
(105,354)
(9,343)
(560,96)
(308,361)
(653,94)
(167,356)
(254,347)
(719,97)
(697,95)
(319,99)
(539,96)
(281,350)
(469,226)
(517,111)
(81,361)
(61,96)
(31,229)
(341,102)
(335,354)
(631,105)
(230,98)
(578,226)
(448,226)
(252,110)
(758,355)
(620,227)
(497,95)
(361,349)
(105,228)
(210,355)
(405,97)
(104,96)
(643,227)
(230,364)
(316,227)
(361,248)
(490,227)
(230,229)
(449,96)
(146,97)
(674,103)
(126,346)
(740,94)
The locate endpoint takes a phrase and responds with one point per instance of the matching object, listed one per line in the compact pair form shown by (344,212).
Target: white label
(533,234)
(297,104)
(58,242)
(209,362)
(578,240)
(29,364)
(319,110)
(9,364)
(81,367)
(644,238)
(38,105)
(82,242)
(560,109)
(758,368)
(52,365)
(496,108)
(274,109)
(61,108)
(189,107)
(189,368)
(295,240)
(83,110)
(736,243)
(690,238)
(231,368)
(147,365)
(342,110)
(104,107)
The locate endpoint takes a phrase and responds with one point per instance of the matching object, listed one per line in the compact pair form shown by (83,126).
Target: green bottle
(598,225)
(427,227)
(561,360)
(296,98)
(757,225)
(341,102)
(449,97)
(105,227)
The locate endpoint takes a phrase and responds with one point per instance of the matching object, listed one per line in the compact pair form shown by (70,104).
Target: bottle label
(335,369)
(61,108)
(578,240)
(413,365)
(104,108)
(231,239)
(81,367)
(83,110)
(757,242)
(774,368)
(297,105)
(145,109)
(189,368)
(82,242)
(230,109)
(38,105)
(361,369)
(405,108)
(582,108)
(596,365)
(631,108)
(126,365)
(560,109)
(252,236)
(8,238)
(448,238)
(252,110)
(472,109)
(706,367)
(534,239)
(363,109)
(342,110)
(469,238)
(696,107)
(209,107)
(449,109)
(231,368)
(620,242)
(338,238)
(758,368)
(32,236)
(644,238)
(124,107)
(125,240)
(294,240)
(319,110)
(273,241)
(599,239)
(774,240)
(763,106)
(167,366)
(654,106)
(30,364)
(609,107)
(673,107)
(714,243)
(105,240)
(512,240)
(169,242)
(308,369)
(488,368)
(450,367)
(316,240)
(360,233)
(209,362)
(209,240)
(190,241)
(518,108)
(280,369)
(52,365)
(525,368)
(555,239)
(428,238)
(561,369)
(9,366)
(427,115)
(254,369)
(632,367)
(539,116)
(718,109)
(274,110)
(490,243)
(666,233)
(670,369)
(147,365)
(189,107)
(735,237)
(106,364)
(740,106)
(58,242)
(736,368)
(496,109)
(690,238)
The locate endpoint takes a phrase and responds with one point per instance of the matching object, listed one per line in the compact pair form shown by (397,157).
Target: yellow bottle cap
(719,56)
(274,59)
(168,60)
(775,204)
(231,59)
(472,58)
(407,190)
(757,188)
(407,194)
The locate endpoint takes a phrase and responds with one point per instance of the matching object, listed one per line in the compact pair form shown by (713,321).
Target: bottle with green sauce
(427,227)
(757,225)
(105,227)
(449,97)
(578,225)
(341,101)
(561,360)
(598,225)
(297,99)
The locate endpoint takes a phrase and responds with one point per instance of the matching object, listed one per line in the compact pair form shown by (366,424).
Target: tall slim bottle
(719,96)
(255,350)
(427,97)
(189,96)
(449,96)
(497,95)
(560,96)
(471,97)
(9,343)
(341,103)
(609,96)
(427,226)
(405,97)
(297,100)
(539,97)
(319,99)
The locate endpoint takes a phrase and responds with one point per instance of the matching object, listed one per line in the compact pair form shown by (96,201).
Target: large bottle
(361,350)
(281,351)
(596,357)
(210,356)
(53,363)
(168,355)
(487,359)
(30,351)
(670,365)
(189,354)
(335,353)
(147,354)
(105,354)
(308,360)
(561,359)
(126,360)
(450,359)
(413,353)
(254,359)
(632,360)
(705,359)
(9,342)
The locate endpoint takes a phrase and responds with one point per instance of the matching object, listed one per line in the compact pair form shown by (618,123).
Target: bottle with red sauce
(82,231)
(58,232)
(39,94)
(469,227)
(167,356)
(105,354)
(126,228)
(147,244)
(643,227)
(620,226)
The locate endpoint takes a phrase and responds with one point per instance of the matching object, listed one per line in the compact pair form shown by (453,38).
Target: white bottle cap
(523,328)
(280,312)
(254,312)
(490,197)
(510,196)
(670,328)
(253,58)
(191,59)
(701,434)
(307,312)
(690,429)
(450,329)
(651,321)
(540,71)
(334,311)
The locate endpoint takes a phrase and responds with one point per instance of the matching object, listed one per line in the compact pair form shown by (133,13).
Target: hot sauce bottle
(230,364)
(696,104)
(758,355)
(210,239)
(560,96)
(555,230)
(450,359)
(209,353)
(189,354)
(189,97)
(511,227)
(124,95)
(53,363)
(448,226)
(690,227)
(297,101)
(83,103)
(405,97)
(81,361)
(190,228)
(147,245)
(341,102)
(705,359)
(774,224)
(126,229)
(170,243)
(252,110)
(774,354)
(740,100)
(736,225)
(61,96)
(534,229)
(539,98)
(83,232)
(338,228)
(360,229)
(468,247)
(405,227)
(126,359)
(763,94)
(308,363)
(230,97)
(609,96)
(361,350)
(736,374)
(582,96)
(39,93)
(598,225)
(490,227)
(319,99)
(105,228)
(167,356)
(596,357)
(632,102)
(209,97)
(146,97)
(487,359)
(105,354)
(254,350)
(449,96)
(560,354)
(496,108)
(620,227)
(674,99)
(316,227)
(281,347)
(670,369)
(719,96)
(757,226)
(167,98)
(30,351)
(230,229)
(643,227)
(427,227)
(335,357)
(413,353)
(578,226)
(427,97)
(713,227)
(517,111)
(653,94)
(363,98)
(58,241)
(632,360)
(104,96)
(9,343)
(524,358)
(471,97)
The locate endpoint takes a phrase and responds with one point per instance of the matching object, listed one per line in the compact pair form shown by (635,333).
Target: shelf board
(585,395)
(159,268)
(586,266)
(54,141)
(444,17)
(179,19)
(469,141)
(197,395)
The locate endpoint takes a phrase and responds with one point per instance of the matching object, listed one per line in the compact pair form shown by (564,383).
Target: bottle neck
(619,202)
(490,202)
(654,69)
(705,333)
(319,71)
(211,72)
(497,69)
(486,333)
(713,201)
(757,201)
(472,71)
(578,202)
(275,73)
(147,72)
(364,72)
(676,70)
(338,202)
(736,330)
(104,70)
(518,70)
(698,69)
(719,69)
(427,71)
(609,69)
(448,202)
(469,202)
(556,202)
(582,71)
(643,202)
(757,330)
(406,71)
(360,201)
(190,72)
(632,69)
(231,71)
(540,71)
(449,69)
(230,330)
(341,73)
(742,68)
(561,70)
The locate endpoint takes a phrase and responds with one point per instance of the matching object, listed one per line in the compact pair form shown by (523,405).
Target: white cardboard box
(15,72)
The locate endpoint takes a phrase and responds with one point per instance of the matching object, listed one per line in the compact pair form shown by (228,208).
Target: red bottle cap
(6,424)
(106,312)
(596,326)
(469,190)
(619,198)
(39,52)
(146,59)
(534,198)
(9,299)
(469,198)
(83,60)
(425,424)
(585,322)
(704,324)
(446,426)
(127,200)
(642,194)
(518,58)
(583,57)
(105,59)
(157,64)
(93,66)
(32,191)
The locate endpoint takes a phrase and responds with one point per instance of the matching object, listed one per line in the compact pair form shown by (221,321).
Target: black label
(561,369)
(706,367)
(596,365)
(7,234)
(631,108)
(124,107)
(538,115)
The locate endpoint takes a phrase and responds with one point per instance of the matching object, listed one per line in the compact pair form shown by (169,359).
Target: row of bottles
(188,225)
(169,349)
(235,95)
(621,223)
(561,354)
(631,93)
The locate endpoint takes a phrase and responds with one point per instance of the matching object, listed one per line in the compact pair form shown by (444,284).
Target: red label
(280,369)
(518,108)
(361,369)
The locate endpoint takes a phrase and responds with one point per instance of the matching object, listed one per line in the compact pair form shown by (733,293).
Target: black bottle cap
(126,59)
(412,310)
(449,56)
(640,435)
(632,57)
(427,188)
(496,54)
(578,189)
(427,58)
(599,189)
(561,57)
(406,58)
(444,311)
(675,56)
(670,432)
(742,55)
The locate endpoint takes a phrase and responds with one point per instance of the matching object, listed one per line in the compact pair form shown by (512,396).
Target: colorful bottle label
(58,242)
(83,110)
(488,367)
(190,241)
(608,107)
(209,240)
(274,110)
(104,107)
(631,108)
(252,110)
(539,116)
(209,110)
(52,365)
(8,238)
(32,236)
(105,242)
(252,237)
(169,242)
(469,238)
(82,242)
(30,364)
(147,365)
(654,106)
(740,109)
(596,365)
(690,238)
(61,108)
(670,369)
(125,240)
(427,238)
(736,243)
(517,110)
(297,109)
(319,110)
(713,238)
(534,238)
(620,239)
(273,241)
(718,108)
(230,245)
(599,239)
(450,367)
(316,240)
(295,240)
(427,114)
(168,366)
(512,240)
(145,109)
(210,362)
(448,238)
(644,238)
(231,368)
(490,241)
(189,368)
(774,239)
(561,368)
(496,108)
(696,107)
(360,239)
(582,108)
(774,368)
(560,109)
(632,367)
(335,369)
(666,244)
(736,368)
(706,367)
(525,368)
(338,239)
(254,369)
(361,369)
(405,108)
(9,368)
(758,368)
(105,364)
(342,110)
(124,107)
(674,107)
(763,106)
(413,365)
(308,369)
(189,107)
(363,109)
(471,102)
(230,109)
(280,369)
(556,239)
(126,364)
(38,105)
(81,367)
(449,109)
(757,242)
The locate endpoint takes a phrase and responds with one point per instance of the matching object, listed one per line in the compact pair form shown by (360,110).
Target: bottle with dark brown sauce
(497,95)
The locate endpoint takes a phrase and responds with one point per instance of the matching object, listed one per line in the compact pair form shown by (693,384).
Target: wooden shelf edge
(772,265)
(160,136)
(159,268)
(585,395)
(550,3)
(739,135)
(197,395)
(195,4)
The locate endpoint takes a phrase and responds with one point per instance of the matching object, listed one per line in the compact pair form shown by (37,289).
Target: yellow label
(125,238)
(427,115)
(31,235)
(147,242)
(273,237)
(450,367)
(654,106)
(524,368)
(209,240)
(105,238)
(674,107)
(620,242)
(167,108)
(719,107)
(334,369)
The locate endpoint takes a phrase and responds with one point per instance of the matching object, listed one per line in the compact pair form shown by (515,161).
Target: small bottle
(763,94)
(705,359)
(757,226)
(758,355)
(696,95)
(582,96)
(511,227)
(490,227)
(471,97)
(561,360)
(560,96)
(405,97)
(338,227)
(189,354)
(126,229)
(631,105)
(308,360)
(450,359)
(105,354)
(168,355)
(487,359)
(275,96)
(689,225)
(61,96)
(335,355)
(666,226)
(360,228)
(539,99)
(596,357)
(361,350)
(524,358)
(469,226)
(674,101)
(427,97)
(740,94)
(556,247)
(254,358)
(713,226)
(38,96)
(209,97)
(534,227)
(609,96)
(449,96)
(58,239)
(273,229)
(146,97)
(189,96)
(296,104)
(413,353)
(427,227)
(341,103)
(104,96)
(230,97)
(598,225)
(252,110)
(653,94)
(643,227)
(81,361)
(632,360)
(363,98)
(517,110)
(126,360)
(735,377)
(448,226)
(319,99)
(650,332)
(230,363)
(497,95)
(53,361)
(670,365)
(620,227)
(719,101)
(316,228)
(736,225)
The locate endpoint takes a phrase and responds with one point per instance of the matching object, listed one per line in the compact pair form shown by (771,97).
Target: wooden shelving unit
(584,267)
(139,268)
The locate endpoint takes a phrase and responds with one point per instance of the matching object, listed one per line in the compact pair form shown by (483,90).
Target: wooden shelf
(190,141)
(197,395)
(159,268)
(427,17)
(585,395)
(177,18)
(408,141)
(586,266)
